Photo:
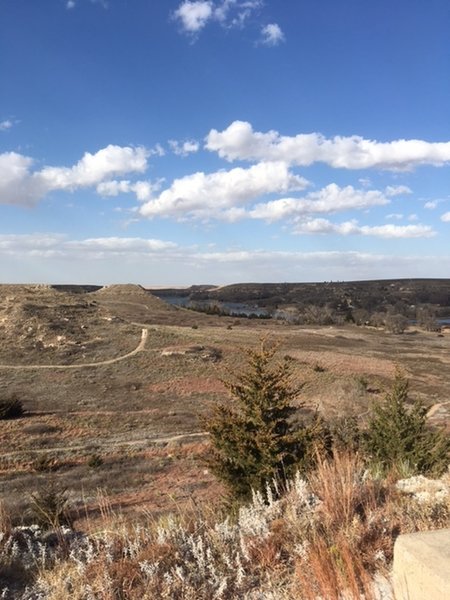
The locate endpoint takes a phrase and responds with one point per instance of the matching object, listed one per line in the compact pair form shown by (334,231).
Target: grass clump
(11,408)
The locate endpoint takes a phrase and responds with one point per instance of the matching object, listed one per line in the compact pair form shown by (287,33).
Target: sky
(175,142)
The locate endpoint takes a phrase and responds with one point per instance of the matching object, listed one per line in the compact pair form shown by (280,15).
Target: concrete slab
(422,566)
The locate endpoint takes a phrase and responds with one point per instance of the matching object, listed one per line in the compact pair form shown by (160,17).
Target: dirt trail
(110,361)
(105,445)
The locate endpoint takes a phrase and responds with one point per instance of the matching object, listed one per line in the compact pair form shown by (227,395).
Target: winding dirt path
(139,348)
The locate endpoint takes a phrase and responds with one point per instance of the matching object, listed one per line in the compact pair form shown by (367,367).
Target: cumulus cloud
(329,199)
(272,35)
(446,217)
(184,148)
(205,196)
(240,142)
(194,15)
(17,184)
(324,226)
(93,168)
(20,185)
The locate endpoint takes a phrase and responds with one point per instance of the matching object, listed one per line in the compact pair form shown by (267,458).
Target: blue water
(233,308)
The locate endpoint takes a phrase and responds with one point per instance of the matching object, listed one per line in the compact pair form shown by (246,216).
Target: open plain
(114,381)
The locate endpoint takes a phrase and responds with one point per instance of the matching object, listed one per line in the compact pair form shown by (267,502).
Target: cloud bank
(240,142)
(122,260)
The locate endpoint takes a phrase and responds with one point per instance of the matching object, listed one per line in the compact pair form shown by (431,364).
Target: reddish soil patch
(186,386)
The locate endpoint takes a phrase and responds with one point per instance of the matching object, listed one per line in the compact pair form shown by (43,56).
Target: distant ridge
(123,289)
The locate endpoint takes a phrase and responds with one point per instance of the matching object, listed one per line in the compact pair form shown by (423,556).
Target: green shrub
(11,408)
(253,437)
(398,436)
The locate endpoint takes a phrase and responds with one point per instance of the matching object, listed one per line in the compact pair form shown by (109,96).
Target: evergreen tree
(253,437)
(399,435)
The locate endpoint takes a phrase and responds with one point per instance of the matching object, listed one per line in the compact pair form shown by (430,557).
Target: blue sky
(173,142)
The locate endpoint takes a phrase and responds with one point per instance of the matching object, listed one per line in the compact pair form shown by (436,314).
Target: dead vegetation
(120,411)
(329,535)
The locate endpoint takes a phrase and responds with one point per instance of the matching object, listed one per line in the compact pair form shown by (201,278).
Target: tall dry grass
(328,537)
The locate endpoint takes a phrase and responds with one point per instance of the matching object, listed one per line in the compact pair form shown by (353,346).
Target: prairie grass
(328,536)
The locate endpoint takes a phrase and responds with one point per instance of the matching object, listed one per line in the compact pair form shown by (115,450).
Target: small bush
(95,461)
(345,433)
(399,436)
(11,408)
(49,506)
(44,463)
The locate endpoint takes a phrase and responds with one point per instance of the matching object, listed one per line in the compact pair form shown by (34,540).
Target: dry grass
(328,537)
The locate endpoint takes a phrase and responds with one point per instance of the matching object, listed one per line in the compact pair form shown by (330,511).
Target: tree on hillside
(253,438)
(399,435)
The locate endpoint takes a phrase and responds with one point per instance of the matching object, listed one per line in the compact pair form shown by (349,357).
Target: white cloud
(19,185)
(194,15)
(205,196)
(144,190)
(272,35)
(329,199)
(234,13)
(432,204)
(120,245)
(397,190)
(38,257)
(71,4)
(5,125)
(94,168)
(324,226)
(446,217)
(397,216)
(184,148)
(240,142)
(365,181)
(48,245)
(157,150)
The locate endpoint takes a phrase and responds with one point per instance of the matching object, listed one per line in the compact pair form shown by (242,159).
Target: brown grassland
(129,429)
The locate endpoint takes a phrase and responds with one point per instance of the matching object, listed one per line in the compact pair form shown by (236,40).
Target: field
(114,382)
